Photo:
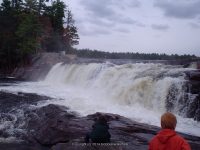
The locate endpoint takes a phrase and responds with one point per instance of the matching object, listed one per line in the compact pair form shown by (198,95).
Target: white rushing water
(137,91)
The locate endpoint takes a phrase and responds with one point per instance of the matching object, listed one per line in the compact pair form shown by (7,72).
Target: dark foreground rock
(11,101)
(57,128)
(54,127)
(14,108)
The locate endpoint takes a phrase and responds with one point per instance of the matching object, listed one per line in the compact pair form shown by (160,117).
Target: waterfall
(141,92)
(152,86)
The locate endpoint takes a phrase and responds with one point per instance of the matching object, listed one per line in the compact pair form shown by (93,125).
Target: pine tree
(8,40)
(70,32)
(31,5)
(21,26)
(62,38)
(27,32)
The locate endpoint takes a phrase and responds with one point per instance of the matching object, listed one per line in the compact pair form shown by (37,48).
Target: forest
(87,53)
(30,27)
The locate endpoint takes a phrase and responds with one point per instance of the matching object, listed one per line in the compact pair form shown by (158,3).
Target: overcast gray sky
(161,26)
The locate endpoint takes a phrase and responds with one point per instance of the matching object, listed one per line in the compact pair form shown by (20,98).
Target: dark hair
(102,119)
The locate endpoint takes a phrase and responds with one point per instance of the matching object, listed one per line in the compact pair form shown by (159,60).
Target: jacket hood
(165,134)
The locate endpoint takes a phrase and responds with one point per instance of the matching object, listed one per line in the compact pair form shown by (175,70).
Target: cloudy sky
(161,26)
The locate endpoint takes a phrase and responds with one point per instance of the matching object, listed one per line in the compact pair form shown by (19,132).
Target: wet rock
(192,98)
(9,101)
(55,127)
(192,108)
(88,146)
(61,129)
(195,75)
(7,79)
(55,124)
(13,119)
(21,146)
(40,66)
(197,115)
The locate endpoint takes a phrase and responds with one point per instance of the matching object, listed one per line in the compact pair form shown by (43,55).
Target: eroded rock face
(40,66)
(13,108)
(53,124)
(59,129)
(54,127)
(189,100)
(193,89)
(9,101)
(195,75)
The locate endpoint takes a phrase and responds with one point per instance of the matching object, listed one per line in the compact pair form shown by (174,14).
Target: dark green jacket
(100,133)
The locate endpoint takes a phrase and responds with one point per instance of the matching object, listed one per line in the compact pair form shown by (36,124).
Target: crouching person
(167,139)
(99,133)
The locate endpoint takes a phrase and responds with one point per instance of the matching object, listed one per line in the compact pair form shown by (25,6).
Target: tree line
(87,53)
(29,27)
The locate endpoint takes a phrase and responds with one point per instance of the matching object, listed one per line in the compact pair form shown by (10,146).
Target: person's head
(168,121)
(102,119)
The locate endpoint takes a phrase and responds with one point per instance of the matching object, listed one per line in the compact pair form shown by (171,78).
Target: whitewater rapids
(137,91)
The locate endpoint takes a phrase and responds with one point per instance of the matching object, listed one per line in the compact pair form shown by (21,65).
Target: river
(141,92)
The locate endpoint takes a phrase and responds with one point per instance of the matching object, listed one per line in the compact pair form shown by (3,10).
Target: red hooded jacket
(167,139)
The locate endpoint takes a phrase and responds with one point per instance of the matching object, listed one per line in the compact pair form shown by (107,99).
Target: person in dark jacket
(99,133)
(167,139)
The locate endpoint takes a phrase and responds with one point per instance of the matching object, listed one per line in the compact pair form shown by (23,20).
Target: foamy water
(136,91)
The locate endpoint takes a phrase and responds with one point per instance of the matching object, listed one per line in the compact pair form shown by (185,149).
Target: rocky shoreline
(54,127)
(42,63)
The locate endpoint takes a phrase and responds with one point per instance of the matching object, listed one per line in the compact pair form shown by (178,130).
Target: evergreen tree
(62,38)
(70,32)
(27,33)
(21,26)
(8,44)
(5,6)
(57,12)
(31,5)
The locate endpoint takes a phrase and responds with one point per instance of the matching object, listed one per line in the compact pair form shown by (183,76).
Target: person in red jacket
(167,139)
